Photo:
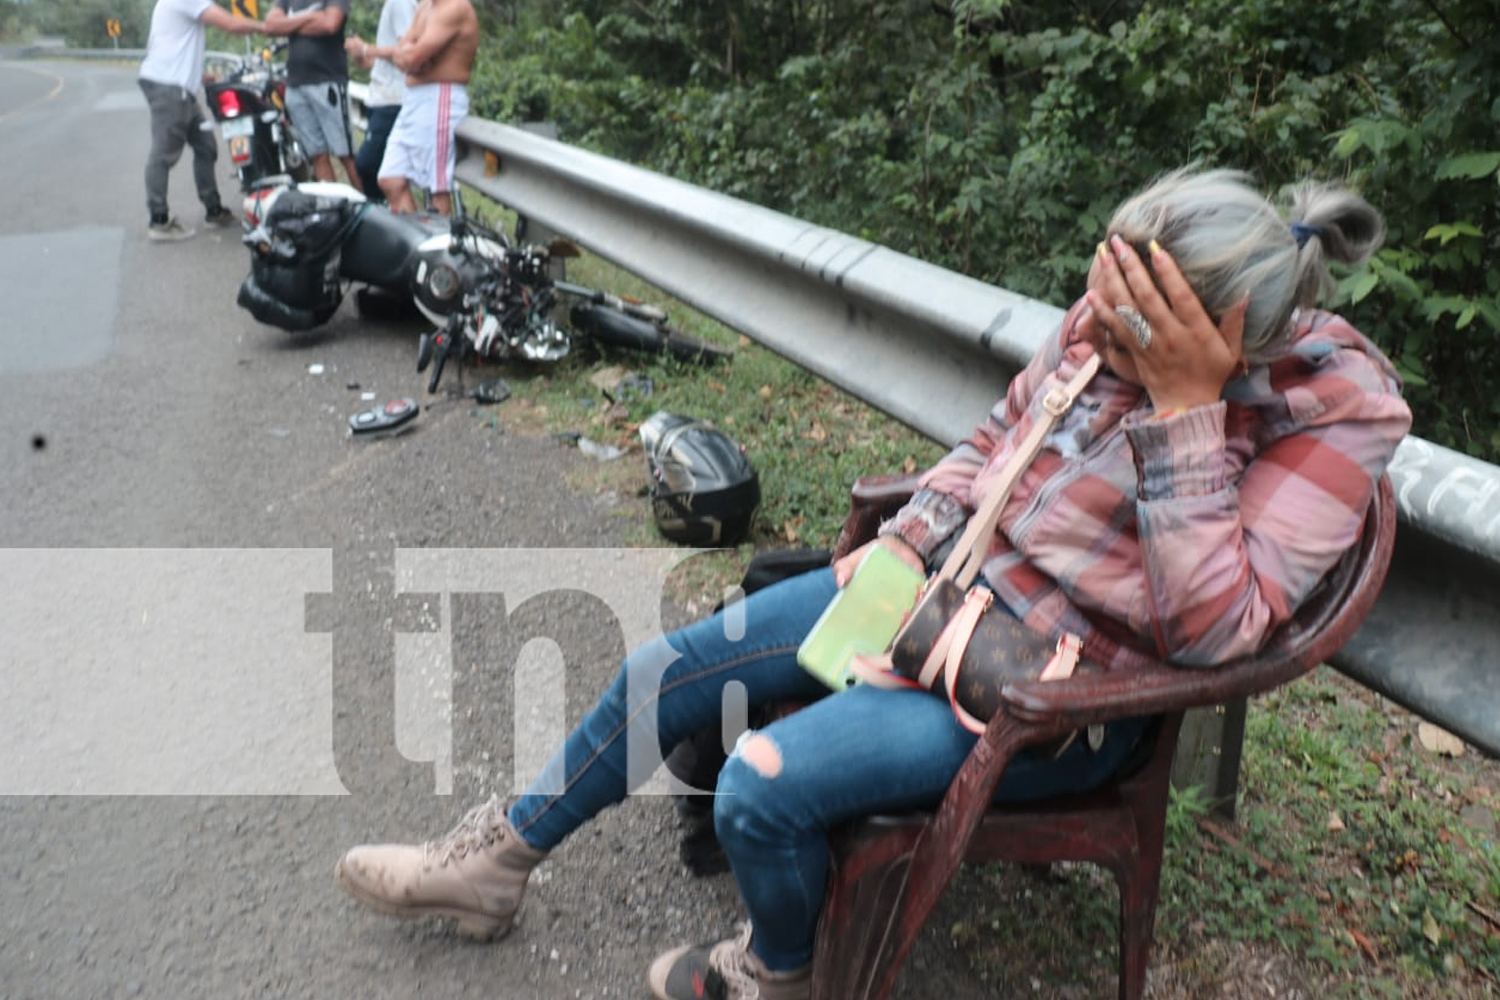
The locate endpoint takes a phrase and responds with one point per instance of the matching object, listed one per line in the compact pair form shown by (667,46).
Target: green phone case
(862,618)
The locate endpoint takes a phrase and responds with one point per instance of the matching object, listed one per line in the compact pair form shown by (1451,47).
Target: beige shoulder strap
(963,563)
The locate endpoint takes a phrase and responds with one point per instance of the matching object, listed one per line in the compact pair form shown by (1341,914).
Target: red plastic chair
(890,871)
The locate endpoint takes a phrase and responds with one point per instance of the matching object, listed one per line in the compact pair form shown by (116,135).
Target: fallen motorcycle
(310,242)
(247,97)
(487,298)
(509,316)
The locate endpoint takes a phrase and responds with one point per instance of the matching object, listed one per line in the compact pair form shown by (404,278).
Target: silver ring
(1137,324)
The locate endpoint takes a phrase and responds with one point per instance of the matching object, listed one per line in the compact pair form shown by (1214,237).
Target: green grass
(1350,855)
(1365,829)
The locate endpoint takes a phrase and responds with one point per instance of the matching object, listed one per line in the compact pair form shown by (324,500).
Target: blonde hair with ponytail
(1230,241)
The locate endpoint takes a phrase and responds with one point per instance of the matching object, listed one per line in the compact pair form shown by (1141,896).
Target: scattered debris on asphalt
(602,452)
(493,390)
(384,421)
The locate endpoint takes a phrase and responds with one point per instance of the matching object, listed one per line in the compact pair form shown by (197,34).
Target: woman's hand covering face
(1188,357)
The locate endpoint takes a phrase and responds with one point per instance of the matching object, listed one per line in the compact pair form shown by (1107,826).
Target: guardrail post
(528,230)
(1209,749)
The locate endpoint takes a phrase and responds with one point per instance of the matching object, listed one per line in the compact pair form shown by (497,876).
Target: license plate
(238,126)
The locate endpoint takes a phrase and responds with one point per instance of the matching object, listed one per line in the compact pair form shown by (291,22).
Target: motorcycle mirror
(561,246)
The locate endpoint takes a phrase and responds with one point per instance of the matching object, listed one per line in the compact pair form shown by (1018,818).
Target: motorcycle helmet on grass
(704,491)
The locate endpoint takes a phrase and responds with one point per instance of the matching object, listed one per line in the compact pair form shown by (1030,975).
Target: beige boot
(476,874)
(728,970)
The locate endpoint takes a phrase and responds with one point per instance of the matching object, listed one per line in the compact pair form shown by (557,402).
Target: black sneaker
(728,970)
(220,216)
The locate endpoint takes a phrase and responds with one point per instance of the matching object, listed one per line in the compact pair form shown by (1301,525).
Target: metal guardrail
(930,347)
(934,349)
(60,52)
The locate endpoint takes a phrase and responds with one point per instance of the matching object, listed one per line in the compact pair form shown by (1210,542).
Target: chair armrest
(872,499)
(887,491)
(1101,696)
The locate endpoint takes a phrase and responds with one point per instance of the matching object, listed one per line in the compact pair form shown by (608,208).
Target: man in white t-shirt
(386,92)
(171,76)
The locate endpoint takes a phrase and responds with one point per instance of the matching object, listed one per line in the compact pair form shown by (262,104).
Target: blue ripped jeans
(862,751)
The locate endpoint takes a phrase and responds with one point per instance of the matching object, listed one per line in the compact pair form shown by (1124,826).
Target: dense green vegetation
(993,136)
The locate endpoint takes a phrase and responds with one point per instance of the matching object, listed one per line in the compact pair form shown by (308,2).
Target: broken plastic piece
(635,387)
(493,390)
(392,418)
(603,452)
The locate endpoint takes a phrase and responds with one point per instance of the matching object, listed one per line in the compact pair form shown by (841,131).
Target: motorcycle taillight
(229,104)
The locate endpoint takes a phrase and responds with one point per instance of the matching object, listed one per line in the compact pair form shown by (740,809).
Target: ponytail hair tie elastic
(1302,232)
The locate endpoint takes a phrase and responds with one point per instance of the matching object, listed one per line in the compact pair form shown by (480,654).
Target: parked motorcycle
(487,298)
(248,100)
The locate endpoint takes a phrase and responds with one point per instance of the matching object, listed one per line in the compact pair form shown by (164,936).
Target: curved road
(236,641)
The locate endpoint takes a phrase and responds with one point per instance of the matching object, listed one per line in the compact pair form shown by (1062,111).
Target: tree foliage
(80,23)
(994,136)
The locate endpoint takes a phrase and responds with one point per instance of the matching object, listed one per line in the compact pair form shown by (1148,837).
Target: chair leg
(1140,877)
(910,882)
(855,929)
(1137,927)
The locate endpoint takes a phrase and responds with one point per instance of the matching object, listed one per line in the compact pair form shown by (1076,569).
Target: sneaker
(476,874)
(728,970)
(169,231)
(220,216)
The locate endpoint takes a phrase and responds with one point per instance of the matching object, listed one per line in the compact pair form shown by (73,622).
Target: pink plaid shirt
(1191,537)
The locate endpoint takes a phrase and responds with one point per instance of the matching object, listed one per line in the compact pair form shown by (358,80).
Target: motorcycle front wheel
(613,327)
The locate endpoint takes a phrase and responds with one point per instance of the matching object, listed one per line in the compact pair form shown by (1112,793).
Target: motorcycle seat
(381,246)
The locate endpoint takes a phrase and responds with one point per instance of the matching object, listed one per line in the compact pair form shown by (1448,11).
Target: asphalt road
(236,641)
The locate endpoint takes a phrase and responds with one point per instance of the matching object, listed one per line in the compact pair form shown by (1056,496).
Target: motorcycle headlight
(442,282)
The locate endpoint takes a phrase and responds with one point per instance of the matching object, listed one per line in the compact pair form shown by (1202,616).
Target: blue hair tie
(1302,232)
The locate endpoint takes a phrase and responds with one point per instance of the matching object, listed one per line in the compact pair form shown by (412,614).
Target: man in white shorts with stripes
(437,52)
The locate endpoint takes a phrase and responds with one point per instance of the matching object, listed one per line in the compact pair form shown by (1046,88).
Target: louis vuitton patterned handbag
(954,643)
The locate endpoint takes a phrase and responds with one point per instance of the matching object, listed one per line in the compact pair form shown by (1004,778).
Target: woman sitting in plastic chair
(1203,483)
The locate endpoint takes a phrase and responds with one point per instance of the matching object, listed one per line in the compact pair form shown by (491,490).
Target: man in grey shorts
(317,77)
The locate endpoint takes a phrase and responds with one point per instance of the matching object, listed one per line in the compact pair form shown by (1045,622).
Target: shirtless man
(437,53)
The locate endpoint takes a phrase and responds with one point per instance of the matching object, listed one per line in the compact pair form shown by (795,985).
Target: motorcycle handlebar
(447,342)
(462,226)
(631,307)
(259,59)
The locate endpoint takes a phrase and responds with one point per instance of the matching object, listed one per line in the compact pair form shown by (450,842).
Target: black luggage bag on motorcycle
(294,281)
